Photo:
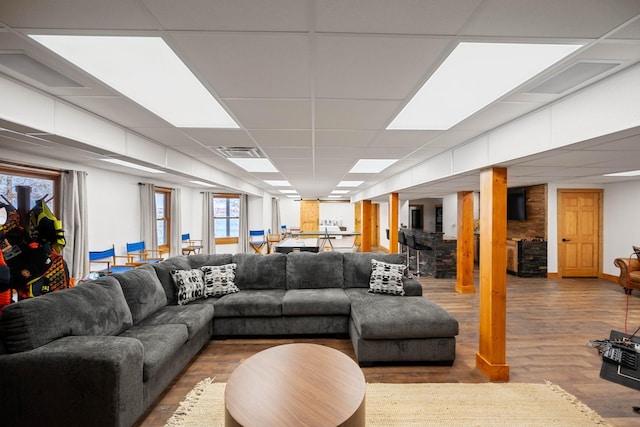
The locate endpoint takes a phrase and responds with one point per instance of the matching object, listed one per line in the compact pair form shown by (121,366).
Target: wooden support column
(464,250)
(393,223)
(365,241)
(491,357)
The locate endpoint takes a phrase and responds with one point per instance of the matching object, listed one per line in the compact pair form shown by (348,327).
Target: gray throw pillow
(219,280)
(189,285)
(386,278)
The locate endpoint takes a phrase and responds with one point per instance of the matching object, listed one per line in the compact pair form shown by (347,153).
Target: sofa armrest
(74,381)
(412,288)
(626,265)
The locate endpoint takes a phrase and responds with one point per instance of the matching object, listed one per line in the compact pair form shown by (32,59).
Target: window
(226,218)
(43,183)
(163,219)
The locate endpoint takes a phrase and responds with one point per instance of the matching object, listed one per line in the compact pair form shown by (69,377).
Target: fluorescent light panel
(146,70)
(349,183)
(132,165)
(277,183)
(627,173)
(288,191)
(339,191)
(473,76)
(255,165)
(372,165)
(293,196)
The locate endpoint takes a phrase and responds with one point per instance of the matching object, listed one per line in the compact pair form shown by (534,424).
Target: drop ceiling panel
(231,15)
(354,114)
(396,17)
(498,114)
(343,138)
(219,137)
(272,113)
(373,67)
(287,153)
(86,14)
(549,18)
(248,65)
(282,138)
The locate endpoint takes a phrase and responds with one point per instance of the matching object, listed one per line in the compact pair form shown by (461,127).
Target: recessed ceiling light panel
(146,70)
(473,76)
(277,183)
(627,173)
(372,165)
(349,183)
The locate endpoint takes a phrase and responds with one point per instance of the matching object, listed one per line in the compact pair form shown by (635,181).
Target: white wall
(289,212)
(383,218)
(450,216)
(344,213)
(621,228)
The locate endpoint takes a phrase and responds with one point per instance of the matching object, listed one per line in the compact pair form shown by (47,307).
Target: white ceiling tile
(281,138)
(272,113)
(373,67)
(353,114)
(248,65)
(231,15)
(344,138)
(393,17)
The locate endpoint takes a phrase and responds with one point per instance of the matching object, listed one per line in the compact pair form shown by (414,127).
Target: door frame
(560,247)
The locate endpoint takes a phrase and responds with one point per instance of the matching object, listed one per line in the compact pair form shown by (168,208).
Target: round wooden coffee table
(296,385)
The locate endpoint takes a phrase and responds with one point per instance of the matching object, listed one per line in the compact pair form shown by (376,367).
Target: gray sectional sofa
(100,353)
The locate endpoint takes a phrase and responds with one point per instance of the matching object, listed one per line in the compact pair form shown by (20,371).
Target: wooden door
(579,219)
(357,221)
(375,224)
(309,215)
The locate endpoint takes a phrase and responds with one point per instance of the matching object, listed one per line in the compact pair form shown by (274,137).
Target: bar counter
(440,260)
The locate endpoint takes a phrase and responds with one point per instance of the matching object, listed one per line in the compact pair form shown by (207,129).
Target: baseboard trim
(554,276)
(609,277)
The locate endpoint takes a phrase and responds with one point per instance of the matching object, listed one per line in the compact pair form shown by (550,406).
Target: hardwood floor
(549,323)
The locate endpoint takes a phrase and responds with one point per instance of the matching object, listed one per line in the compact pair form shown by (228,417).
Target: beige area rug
(486,404)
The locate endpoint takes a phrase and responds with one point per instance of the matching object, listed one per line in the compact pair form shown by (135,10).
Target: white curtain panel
(275,215)
(176,223)
(148,232)
(208,229)
(243,233)
(75,223)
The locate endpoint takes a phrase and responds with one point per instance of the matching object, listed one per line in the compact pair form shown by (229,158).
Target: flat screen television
(517,204)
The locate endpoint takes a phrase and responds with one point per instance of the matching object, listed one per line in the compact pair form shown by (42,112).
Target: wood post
(464,268)
(491,357)
(393,223)
(365,242)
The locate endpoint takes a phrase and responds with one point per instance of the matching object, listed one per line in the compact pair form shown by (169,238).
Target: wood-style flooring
(549,323)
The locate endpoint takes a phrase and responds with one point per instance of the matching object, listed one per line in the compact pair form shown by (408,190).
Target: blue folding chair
(257,240)
(189,245)
(138,254)
(108,260)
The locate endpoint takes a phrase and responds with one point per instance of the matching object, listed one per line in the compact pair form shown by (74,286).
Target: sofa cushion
(307,270)
(219,280)
(160,343)
(252,302)
(386,278)
(316,302)
(357,267)
(163,271)
(377,316)
(143,292)
(92,308)
(256,271)
(189,284)
(200,260)
(194,317)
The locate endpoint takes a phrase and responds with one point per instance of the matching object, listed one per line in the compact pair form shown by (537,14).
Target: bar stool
(402,239)
(411,242)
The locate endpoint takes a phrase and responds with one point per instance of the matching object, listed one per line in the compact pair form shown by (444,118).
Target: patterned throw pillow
(218,280)
(386,278)
(189,285)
